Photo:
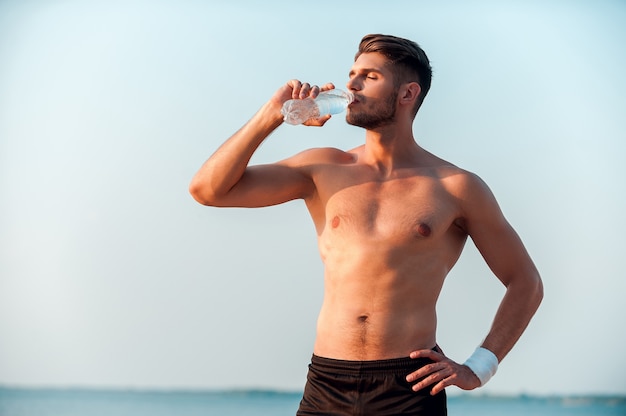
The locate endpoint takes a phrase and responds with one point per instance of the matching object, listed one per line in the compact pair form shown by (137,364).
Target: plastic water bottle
(327,102)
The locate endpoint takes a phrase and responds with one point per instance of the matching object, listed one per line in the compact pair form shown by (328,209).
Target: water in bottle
(327,102)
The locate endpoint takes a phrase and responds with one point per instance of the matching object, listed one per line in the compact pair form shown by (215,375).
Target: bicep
(495,238)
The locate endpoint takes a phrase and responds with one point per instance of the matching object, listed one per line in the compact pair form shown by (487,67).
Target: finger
(315,90)
(439,387)
(328,86)
(317,122)
(439,378)
(295,85)
(424,371)
(305,90)
(433,355)
(427,381)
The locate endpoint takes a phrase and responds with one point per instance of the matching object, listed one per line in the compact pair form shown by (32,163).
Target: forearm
(519,304)
(227,165)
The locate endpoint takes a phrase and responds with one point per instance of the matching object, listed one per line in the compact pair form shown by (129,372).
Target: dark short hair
(408,59)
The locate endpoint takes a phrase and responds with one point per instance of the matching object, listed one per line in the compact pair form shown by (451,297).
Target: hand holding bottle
(298,91)
(326,103)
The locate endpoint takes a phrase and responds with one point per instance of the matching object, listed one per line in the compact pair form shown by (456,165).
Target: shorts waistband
(399,366)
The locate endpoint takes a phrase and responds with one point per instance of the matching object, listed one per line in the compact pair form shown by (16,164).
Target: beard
(379,115)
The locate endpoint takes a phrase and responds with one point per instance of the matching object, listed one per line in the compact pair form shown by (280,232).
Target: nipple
(335,222)
(423,230)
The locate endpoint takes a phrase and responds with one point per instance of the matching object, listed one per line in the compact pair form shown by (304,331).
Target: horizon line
(288,392)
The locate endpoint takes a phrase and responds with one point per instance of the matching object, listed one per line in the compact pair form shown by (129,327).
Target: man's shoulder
(447,171)
(469,190)
(323,155)
(459,181)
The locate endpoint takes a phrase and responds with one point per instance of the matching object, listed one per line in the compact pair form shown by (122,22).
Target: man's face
(375,95)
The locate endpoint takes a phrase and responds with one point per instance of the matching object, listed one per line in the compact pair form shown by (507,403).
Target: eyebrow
(365,70)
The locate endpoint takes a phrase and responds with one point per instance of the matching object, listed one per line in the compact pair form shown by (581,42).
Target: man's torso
(387,245)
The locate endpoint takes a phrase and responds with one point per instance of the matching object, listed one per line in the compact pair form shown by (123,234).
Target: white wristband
(483,363)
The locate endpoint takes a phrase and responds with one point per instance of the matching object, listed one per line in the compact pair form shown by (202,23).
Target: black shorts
(372,388)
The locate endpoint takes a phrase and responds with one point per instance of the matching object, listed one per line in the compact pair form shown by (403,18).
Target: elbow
(202,194)
(536,290)
(527,287)
(196,192)
(540,290)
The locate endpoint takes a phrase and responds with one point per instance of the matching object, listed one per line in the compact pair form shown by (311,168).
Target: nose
(353,85)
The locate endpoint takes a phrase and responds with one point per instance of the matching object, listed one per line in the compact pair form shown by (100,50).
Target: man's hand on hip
(442,373)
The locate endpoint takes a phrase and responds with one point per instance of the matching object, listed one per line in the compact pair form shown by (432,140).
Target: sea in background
(85,402)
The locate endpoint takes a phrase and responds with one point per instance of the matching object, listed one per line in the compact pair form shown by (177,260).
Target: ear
(409,93)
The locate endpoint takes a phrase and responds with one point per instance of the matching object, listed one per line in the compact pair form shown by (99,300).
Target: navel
(335,222)
(424,230)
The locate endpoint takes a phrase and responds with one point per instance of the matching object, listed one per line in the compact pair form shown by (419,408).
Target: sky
(112,276)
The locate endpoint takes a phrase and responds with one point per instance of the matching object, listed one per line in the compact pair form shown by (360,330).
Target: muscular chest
(397,211)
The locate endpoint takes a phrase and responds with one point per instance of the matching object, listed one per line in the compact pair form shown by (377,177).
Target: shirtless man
(391,220)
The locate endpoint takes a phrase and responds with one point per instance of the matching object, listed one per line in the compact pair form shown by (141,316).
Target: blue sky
(112,276)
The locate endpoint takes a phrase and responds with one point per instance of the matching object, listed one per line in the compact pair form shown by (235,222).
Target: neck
(390,148)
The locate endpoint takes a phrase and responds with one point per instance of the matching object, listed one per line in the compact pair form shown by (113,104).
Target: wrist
(483,363)
(272,114)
